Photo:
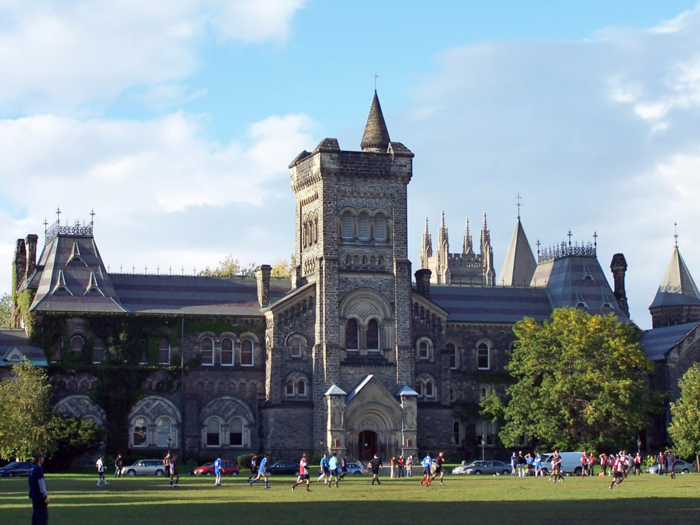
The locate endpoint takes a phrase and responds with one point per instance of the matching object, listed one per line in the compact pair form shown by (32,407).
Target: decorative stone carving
(80,406)
(225,408)
(154,407)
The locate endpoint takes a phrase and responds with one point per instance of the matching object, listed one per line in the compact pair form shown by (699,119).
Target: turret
(618,265)
(677,300)
(376,136)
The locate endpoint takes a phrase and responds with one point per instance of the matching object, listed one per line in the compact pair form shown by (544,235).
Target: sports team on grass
(334,469)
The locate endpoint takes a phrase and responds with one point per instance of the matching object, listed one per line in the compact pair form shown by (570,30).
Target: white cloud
(58,55)
(163,194)
(595,135)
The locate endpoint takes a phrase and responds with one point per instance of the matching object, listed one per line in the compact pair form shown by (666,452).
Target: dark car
(284,467)
(16,468)
(228,467)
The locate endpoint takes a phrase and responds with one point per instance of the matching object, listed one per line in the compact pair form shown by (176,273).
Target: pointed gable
(376,136)
(519,264)
(677,287)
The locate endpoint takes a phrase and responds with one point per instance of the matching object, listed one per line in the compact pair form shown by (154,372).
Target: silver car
(483,467)
(680,467)
(145,467)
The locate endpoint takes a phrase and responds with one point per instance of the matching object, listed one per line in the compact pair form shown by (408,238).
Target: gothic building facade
(351,354)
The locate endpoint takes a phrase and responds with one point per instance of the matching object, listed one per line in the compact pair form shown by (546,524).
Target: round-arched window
(140,432)
(373,335)
(213,433)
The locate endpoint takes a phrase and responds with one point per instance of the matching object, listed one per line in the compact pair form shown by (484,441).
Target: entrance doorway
(368,445)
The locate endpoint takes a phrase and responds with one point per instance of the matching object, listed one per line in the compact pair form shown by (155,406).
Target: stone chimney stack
(30,244)
(262,274)
(19,263)
(619,268)
(423,282)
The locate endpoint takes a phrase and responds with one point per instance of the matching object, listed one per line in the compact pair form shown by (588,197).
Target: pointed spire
(467,242)
(376,136)
(519,265)
(677,287)
(485,234)
(443,237)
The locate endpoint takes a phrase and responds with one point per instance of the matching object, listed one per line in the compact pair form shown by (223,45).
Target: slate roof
(677,287)
(491,304)
(519,264)
(407,391)
(376,134)
(11,340)
(659,341)
(335,390)
(71,277)
(357,389)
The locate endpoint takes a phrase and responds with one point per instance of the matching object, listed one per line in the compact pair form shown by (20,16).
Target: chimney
(30,243)
(423,282)
(19,263)
(262,274)
(619,268)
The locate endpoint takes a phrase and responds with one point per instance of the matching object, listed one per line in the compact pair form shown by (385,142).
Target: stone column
(335,435)
(409,428)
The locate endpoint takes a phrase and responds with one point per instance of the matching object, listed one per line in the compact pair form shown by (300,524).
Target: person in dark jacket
(118,465)
(38,492)
(375,464)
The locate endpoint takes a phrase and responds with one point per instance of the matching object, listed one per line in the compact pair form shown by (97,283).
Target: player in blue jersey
(427,462)
(262,471)
(325,469)
(217,471)
(333,465)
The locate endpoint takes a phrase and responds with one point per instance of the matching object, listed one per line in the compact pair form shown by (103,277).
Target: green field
(463,499)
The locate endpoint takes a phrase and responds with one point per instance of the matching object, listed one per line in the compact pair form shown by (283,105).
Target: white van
(570,462)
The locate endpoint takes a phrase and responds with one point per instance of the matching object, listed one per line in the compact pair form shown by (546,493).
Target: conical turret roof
(519,264)
(376,135)
(677,287)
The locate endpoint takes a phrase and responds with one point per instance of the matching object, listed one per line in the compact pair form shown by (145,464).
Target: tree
(25,414)
(74,437)
(580,382)
(280,268)
(5,310)
(229,267)
(684,429)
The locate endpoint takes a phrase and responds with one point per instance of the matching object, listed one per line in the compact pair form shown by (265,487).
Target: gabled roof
(519,264)
(15,345)
(376,135)
(658,342)
(677,287)
(335,390)
(407,391)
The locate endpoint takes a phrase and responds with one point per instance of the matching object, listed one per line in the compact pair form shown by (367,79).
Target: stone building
(348,355)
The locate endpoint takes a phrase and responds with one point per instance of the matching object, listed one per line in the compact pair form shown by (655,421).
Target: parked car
(483,467)
(354,469)
(228,467)
(681,467)
(570,462)
(16,468)
(284,467)
(145,467)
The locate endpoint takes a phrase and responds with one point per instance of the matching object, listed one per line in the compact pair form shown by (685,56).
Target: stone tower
(351,244)
(677,300)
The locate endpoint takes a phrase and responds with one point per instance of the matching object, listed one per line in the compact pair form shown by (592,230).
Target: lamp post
(483,448)
(169,440)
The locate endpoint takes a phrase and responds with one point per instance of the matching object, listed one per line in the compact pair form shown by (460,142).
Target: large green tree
(74,437)
(5,310)
(25,412)
(581,383)
(684,429)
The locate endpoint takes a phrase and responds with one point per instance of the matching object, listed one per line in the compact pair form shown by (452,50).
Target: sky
(176,121)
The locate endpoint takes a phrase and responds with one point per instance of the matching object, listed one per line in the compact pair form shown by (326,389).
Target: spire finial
(46,225)
(426,225)
(569,236)
(595,240)
(92,217)
(442,219)
(375,80)
(58,216)
(675,234)
(538,248)
(517,203)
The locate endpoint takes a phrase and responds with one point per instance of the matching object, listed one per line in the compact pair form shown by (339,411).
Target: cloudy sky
(175,121)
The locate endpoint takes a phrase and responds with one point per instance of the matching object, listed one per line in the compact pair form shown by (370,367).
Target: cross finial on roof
(538,247)
(46,225)
(92,217)
(375,80)
(517,203)
(58,215)
(595,239)
(569,236)
(675,234)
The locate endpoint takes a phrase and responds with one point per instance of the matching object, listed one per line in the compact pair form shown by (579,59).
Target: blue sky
(176,121)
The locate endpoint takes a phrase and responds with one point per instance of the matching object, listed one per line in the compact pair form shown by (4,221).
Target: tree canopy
(684,429)
(580,383)
(25,412)
(5,310)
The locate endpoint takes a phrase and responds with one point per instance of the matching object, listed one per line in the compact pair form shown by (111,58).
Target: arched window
(424,349)
(227,351)
(163,431)
(419,388)
(452,349)
(363,226)
(163,351)
(352,339)
(482,357)
(140,432)
(379,227)
(98,350)
(347,223)
(77,343)
(301,388)
(247,353)
(213,433)
(290,388)
(207,351)
(373,335)
(236,433)
(453,394)
(429,389)
(296,346)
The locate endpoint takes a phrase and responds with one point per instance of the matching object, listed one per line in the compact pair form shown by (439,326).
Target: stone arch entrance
(367,445)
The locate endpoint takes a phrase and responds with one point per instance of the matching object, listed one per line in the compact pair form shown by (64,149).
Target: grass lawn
(463,499)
